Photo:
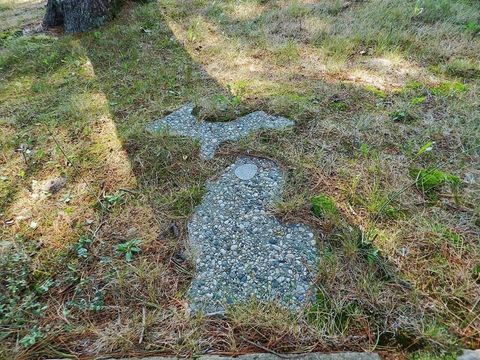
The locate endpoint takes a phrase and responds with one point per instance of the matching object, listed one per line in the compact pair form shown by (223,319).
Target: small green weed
(365,150)
(6,36)
(434,10)
(426,148)
(338,105)
(365,244)
(423,355)
(5,7)
(185,200)
(413,85)
(323,206)
(239,88)
(95,303)
(196,30)
(81,247)
(129,248)
(472,27)
(110,201)
(476,273)
(401,116)
(297,10)
(447,234)
(225,102)
(32,337)
(429,180)
(288,53)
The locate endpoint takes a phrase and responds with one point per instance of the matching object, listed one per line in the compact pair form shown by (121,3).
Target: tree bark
(79,15)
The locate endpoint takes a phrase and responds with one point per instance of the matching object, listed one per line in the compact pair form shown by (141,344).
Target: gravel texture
(242,252)
(211,135)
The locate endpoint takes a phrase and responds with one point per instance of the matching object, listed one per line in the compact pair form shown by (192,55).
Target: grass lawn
(385,96)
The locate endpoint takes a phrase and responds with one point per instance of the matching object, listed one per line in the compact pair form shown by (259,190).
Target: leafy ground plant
(129,249)
(21,306)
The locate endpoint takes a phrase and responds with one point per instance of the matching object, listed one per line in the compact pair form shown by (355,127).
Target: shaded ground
(379,89)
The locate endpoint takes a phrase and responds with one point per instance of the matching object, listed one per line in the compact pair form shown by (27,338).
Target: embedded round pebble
(242,252)
(246,172)
(211,135)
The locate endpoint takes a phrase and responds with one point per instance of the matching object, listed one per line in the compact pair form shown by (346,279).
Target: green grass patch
(287,54)
(472,27)
(339,105)
(376,91)
(449,89)
(430,180)
(418,100)
(323,206)
(476,273)
(463,68)
(334,317)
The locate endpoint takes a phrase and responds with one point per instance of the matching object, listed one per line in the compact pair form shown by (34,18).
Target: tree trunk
(79,15)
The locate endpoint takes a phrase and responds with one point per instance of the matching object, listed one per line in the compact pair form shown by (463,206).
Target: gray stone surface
(243,252)
(246,172)
(268,356)
(211,135)
(470,355)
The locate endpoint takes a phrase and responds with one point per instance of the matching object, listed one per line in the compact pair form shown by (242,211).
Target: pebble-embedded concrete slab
(212,134)
(242,251)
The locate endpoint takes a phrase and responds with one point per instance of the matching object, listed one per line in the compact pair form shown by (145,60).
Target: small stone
(246,172)
(470,355)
